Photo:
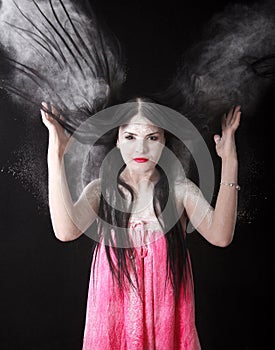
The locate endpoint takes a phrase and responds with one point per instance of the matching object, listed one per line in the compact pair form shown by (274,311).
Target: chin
(141,167)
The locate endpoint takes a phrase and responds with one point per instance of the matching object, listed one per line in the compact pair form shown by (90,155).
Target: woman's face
(140,143)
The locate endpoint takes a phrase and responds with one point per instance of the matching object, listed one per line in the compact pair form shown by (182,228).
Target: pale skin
(140,139)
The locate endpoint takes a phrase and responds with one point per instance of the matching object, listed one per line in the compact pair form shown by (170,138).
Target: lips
(141,160)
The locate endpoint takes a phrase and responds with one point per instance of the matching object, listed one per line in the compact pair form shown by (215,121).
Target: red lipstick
(141,160)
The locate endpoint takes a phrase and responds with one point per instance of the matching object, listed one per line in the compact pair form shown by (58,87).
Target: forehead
(140,124)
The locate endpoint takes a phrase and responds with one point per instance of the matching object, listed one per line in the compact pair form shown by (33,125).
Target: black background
(44,282)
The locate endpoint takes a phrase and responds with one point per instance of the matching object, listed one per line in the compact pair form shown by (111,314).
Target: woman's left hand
(225,144)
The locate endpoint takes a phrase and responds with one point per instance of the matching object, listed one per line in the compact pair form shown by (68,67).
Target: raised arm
(217,224)
(69,220)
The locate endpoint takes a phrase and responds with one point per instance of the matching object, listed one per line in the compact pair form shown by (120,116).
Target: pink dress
(145,320)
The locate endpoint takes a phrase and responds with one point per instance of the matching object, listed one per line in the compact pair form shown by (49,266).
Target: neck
(140,181)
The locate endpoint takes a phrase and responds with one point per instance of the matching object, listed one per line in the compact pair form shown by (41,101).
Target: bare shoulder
(185,187)
(194,202)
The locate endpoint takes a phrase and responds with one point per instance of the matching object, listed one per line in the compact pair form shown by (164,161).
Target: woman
(141,292)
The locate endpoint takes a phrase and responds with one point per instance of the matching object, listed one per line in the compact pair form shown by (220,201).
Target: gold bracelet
(231,184)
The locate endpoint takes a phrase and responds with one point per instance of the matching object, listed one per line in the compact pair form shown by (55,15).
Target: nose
(141,147)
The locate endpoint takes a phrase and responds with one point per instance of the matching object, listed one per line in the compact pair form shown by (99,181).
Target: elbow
(67,236)
(222,243)
(61,237)
(221,236)
(65,232)
(218,238)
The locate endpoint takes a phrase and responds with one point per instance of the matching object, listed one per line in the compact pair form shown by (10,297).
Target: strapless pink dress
(146,320)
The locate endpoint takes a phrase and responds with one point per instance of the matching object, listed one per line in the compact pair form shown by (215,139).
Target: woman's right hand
(58,139)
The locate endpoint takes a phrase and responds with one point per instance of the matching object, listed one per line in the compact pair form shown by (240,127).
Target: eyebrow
(131,133)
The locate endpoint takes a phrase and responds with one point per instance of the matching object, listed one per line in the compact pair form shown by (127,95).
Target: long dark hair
(117,245)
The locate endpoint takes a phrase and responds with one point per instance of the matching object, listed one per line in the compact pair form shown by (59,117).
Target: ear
(117,144)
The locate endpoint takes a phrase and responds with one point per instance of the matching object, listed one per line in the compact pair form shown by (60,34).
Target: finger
(61,117)
(45,116)
(54,110)
(45,105)
(217,139)
(47,113)
(236,123)
(229,115)
(56,113)
(48,119)
(45,108)
(236,114)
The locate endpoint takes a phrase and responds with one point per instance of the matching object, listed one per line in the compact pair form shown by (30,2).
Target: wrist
(230,159)
(230,184)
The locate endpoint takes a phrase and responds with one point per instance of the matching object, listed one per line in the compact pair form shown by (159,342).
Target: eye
(129,137)
(153,138)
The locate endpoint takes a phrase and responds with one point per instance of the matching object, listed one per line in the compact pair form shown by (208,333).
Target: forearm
(225,213)
(60,202)
(218,225)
